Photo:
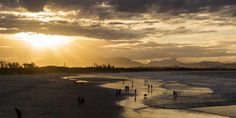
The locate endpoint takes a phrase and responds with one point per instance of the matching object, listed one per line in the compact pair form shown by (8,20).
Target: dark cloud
(129,5)
(33,5)
(170,5)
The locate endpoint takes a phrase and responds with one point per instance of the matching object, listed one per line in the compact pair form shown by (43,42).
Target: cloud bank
(127,5)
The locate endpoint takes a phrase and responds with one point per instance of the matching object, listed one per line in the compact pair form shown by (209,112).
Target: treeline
(31,68)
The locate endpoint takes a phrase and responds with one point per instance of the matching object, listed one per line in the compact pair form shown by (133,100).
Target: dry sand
(47,96)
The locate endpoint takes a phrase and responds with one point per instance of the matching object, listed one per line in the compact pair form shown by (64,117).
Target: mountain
(119,62)
(204,64)
(172,62)
(165,63)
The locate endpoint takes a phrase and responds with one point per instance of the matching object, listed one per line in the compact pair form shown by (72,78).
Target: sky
(82,32)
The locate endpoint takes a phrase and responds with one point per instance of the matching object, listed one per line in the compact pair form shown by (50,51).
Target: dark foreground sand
(47,96)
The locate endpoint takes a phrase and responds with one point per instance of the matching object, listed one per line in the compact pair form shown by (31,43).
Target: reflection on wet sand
(146,92)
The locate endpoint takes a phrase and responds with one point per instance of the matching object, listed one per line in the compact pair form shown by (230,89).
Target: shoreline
(151,107)
(51,95)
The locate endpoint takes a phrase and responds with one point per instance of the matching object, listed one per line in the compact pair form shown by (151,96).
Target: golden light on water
(40,41)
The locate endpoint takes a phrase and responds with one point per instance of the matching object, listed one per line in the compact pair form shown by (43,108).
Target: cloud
(12,22)
(128,5)
(154,50)
(33,5)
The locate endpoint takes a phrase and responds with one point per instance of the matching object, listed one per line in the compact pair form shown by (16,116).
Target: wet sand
(138,107)
(219,110)
(201,96)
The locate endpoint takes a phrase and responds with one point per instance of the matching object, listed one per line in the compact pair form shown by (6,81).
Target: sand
(219,110)
(55,96)
(48,96)
(202,94)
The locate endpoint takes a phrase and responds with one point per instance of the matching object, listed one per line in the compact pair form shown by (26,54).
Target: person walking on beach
(119,92)
(132,83)
(135,91)
(175,95)
(18,113)
(79,101)
(82,100)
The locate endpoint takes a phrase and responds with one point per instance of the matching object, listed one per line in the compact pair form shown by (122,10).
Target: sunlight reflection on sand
(135,108)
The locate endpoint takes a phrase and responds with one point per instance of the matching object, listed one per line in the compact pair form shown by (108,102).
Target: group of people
(150,89)
(81,101)
(145,82)
(118,92)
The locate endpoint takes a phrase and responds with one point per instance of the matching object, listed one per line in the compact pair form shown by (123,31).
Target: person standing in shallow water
(175,95)
(18,113)
(119,92)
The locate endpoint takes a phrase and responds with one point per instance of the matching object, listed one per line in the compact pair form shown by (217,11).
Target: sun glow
(41,41)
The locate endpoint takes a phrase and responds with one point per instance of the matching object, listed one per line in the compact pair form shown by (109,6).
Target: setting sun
(41,41)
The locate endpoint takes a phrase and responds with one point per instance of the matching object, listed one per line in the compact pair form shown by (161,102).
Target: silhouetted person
(151,86)
(82,100)
(175,95)
(126,88)
(18,113)
(148,87)
(145,96)
(119,92)
(135,91)
(79,101)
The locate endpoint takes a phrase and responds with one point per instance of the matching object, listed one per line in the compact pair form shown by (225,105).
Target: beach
(56,95)
(49,96)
